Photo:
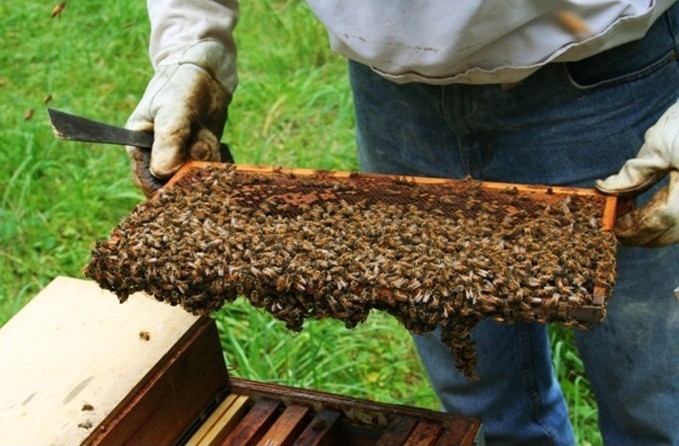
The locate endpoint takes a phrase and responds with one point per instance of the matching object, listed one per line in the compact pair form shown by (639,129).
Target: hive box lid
(74,355)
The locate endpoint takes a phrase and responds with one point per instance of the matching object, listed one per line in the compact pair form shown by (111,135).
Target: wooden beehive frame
(612,208)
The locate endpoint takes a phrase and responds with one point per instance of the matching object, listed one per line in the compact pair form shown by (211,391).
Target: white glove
(656,223)
(185,104)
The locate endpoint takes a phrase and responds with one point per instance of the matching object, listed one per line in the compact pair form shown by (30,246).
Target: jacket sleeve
(177,25)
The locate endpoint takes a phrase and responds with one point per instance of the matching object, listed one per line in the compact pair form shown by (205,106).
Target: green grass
(292,108)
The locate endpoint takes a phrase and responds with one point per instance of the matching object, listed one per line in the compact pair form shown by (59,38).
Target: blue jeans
(568,124)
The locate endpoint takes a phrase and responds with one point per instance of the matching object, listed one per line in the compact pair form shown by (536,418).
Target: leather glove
(185,104)
(657,222)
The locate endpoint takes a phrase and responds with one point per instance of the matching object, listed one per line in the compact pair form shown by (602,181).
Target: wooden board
(398,431)
(254,424)
(424,434)
(286,428)
(75,358)
(320,429)
(221,422)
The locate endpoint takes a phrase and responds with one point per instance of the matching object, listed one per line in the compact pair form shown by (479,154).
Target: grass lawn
(292,108)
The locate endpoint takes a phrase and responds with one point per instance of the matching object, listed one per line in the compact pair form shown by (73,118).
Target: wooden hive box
(80,368)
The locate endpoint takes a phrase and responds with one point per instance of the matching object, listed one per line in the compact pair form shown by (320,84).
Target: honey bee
(29,114)
(58,9)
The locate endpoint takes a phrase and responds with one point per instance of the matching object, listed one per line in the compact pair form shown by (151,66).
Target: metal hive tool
(304,244)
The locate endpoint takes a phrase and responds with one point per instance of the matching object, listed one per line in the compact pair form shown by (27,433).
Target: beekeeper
(550,92)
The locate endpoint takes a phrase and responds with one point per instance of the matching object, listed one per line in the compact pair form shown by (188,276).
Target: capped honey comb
(320,245)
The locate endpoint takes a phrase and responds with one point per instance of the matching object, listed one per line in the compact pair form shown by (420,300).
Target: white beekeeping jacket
(476,41)
(435,41)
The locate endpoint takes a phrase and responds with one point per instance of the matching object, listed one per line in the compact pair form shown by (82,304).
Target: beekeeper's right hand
(185,106)
(185,103)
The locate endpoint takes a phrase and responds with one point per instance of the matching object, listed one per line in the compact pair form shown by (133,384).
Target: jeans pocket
(630,61)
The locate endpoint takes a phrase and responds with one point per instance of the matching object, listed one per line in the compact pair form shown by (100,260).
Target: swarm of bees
(319,246)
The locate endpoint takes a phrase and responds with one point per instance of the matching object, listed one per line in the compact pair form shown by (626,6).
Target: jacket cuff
(198,32)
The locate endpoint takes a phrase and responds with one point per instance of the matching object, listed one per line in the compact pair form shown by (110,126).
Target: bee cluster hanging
(319,246)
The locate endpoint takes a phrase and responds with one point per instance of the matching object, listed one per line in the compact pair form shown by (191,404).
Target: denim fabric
(568,124)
